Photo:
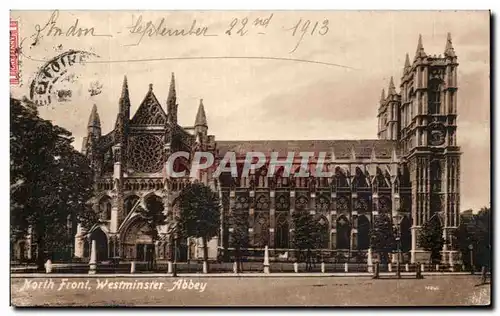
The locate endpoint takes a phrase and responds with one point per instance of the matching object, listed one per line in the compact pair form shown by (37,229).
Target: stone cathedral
(411,173)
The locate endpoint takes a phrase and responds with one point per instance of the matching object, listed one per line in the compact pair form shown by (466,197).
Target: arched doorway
(138,241)
(101,244)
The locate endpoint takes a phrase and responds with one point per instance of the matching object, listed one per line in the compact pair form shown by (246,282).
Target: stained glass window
(146,153)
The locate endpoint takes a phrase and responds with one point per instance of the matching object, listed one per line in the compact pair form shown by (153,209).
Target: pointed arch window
(261,230)
(343,233)
(436,176)
(435,96)
(105,208)
(282,231)
(363,232)
(323,232)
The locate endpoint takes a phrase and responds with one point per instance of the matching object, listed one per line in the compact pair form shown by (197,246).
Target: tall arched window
(435,96)
(343,233)
(324,235)
(261,230)
(363,232)
(105,208)
(435,176)
(282,232)
(341,178)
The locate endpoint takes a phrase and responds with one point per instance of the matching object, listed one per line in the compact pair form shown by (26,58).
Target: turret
(407,66)
(449,51)
(420,53)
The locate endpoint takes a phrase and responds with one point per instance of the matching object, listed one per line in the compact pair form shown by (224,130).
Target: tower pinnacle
(172,96)
(449,50)
(392,88)
(420,48)
(94,120)
(407,62)
(201,118)
(382,96)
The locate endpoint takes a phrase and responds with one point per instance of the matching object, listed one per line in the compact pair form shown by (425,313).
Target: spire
(201,118)
(382,96)
(94,120)
(449,50)
(124,103)
(172,96)
(392,88)
(420,48)
(172,102)
(407,62)
(124,89)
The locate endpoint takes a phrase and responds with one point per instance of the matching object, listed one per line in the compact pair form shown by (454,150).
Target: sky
(251,99)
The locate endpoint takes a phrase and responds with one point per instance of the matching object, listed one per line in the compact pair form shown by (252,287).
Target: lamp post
(471,248)
(398,264)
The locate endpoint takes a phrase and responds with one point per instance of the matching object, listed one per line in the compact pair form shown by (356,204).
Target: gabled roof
(150,111)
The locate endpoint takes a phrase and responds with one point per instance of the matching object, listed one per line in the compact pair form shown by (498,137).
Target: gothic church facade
(410,173)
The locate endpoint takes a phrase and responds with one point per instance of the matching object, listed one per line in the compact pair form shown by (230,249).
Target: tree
(50,181)
(431,238)
(474,230)
(200,214)
(153,213)
(239,235)
(482,237)
(382,237)
(307,234)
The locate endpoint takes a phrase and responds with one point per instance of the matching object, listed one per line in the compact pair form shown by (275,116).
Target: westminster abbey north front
(410,172)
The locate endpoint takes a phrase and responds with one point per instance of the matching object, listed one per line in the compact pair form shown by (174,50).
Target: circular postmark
(54,78)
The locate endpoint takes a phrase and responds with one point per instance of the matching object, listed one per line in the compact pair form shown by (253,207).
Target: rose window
(146,154)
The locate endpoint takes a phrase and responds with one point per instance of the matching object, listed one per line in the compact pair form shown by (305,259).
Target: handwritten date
(308,27)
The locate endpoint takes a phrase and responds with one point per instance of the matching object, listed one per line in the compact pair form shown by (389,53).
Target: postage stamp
(14,53)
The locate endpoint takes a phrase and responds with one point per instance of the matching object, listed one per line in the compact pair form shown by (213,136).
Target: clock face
(436,137)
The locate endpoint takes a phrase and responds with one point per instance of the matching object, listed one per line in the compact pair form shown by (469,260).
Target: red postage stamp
(14,53)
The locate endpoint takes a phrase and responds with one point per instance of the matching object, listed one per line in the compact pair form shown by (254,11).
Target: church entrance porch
(137,241)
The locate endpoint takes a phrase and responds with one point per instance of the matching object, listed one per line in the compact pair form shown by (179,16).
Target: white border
(205,5)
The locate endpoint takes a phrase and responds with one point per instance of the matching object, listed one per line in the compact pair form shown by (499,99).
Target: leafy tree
(50,180)
(475,230)
(200,214)
(431,238)
(307,234)
(239,235)
(382,237)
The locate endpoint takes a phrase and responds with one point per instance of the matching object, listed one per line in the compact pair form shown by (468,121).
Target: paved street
(281,291)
